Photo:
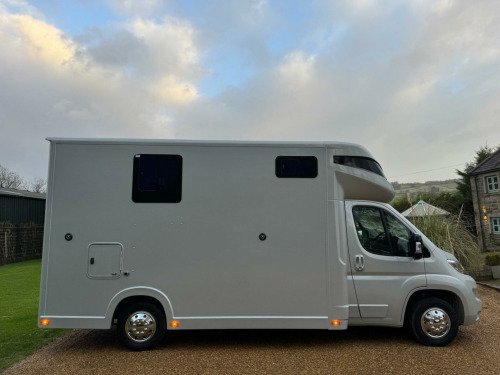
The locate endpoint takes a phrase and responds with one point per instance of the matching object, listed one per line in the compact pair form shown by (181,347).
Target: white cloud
(416,82)
(70,111)
(171,45)
(35,40)
(297,68)
(162,57)
(169,90)
(57,86)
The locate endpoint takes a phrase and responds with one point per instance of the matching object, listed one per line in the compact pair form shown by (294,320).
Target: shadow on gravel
(98,340)
(282,338)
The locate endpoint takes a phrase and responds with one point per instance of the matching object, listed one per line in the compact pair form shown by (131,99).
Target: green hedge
(492,259)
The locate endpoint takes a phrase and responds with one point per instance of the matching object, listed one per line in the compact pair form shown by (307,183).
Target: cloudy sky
(416,82)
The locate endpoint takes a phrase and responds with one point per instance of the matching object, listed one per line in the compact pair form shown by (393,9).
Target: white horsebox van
(157,235)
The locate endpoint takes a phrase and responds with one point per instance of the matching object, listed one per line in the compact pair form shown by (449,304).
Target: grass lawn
(19,333)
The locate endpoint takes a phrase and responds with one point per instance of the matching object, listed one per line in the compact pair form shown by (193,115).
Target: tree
(38,185)
(10,179)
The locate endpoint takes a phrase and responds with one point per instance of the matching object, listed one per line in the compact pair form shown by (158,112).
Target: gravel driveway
(476,350)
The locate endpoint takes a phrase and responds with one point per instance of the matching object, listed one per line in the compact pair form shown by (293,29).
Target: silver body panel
(202,258)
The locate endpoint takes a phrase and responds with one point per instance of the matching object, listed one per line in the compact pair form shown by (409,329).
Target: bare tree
(10,179)
(38,185)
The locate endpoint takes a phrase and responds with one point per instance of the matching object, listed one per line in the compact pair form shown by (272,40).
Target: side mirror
(418,246)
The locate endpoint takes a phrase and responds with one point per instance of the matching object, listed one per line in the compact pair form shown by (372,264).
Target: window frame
(487,183)
(393,253)
(172,195)
(493,220)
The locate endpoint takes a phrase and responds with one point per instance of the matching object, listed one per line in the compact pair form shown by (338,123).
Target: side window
(370,230)
(157,178)
(381,233)
(296,166)
(399,236)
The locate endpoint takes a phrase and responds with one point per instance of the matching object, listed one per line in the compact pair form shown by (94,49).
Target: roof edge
(198,142)
(8,192)
(474,171)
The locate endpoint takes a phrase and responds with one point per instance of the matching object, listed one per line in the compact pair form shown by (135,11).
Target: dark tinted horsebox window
(296,167)
(360,162)
(157,178)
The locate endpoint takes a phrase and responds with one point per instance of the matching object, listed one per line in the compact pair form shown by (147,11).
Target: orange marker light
(174,323)
(335,322)
(44,322)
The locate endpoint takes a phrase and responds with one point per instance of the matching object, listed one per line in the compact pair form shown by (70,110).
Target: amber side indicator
(44,322)
(174,323)
(335,322)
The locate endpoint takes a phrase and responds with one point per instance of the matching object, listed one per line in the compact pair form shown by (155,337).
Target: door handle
(91,260)
(359,262)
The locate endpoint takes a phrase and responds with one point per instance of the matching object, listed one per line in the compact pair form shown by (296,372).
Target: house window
(492,184)
(495,225)
(157,179)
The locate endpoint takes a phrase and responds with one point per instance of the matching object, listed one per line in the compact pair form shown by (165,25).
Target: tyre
(434,322)
(141,326)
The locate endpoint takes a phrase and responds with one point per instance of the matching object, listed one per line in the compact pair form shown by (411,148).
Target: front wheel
(141,326)
(434,322)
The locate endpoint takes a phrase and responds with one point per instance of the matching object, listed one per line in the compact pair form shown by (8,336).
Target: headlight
(456,264)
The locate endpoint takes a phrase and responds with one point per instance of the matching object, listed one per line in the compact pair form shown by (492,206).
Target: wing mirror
(417,243)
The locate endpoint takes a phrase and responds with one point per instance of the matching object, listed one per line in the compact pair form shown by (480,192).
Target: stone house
(485,184)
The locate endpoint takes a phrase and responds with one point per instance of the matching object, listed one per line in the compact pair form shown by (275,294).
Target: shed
(422,208)
(19,206)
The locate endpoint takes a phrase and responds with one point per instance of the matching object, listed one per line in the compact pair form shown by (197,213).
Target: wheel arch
(452,298)
(139,294)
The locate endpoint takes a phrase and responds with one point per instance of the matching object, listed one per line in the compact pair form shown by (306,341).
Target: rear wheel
(141,326)
(434,322)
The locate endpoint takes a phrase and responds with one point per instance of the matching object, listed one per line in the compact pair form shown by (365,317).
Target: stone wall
(488,207)
(19,242)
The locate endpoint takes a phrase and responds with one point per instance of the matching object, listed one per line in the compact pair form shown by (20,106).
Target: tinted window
(399,236)
(371,231)
(157,179)
(359,162)
(381,233)
(296,166)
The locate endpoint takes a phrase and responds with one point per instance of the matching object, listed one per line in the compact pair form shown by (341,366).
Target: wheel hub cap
(140,326)
(435,323)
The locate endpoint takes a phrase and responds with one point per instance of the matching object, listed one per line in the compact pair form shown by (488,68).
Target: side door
(383,269)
